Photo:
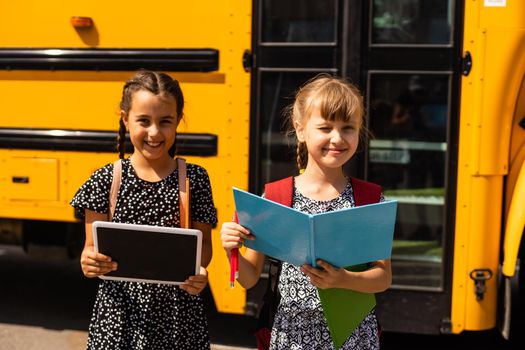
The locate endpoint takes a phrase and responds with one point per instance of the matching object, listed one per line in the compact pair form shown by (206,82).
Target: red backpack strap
(280,191)
(365,192)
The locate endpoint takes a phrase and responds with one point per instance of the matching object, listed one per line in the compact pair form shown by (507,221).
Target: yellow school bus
(444,85)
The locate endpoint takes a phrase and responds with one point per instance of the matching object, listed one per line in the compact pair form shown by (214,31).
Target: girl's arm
(94,264)
(251,262)
(195,284)
(207,249)
(375,279)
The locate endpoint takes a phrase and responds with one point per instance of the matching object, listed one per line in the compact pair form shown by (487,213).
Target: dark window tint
(299,21)
(408,116)
(411,22)
(409,106)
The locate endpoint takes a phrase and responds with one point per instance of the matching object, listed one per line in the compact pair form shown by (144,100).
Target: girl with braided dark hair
(136,315)
(327,119)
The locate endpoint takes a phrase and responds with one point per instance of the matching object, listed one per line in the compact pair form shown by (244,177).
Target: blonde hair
(336,99)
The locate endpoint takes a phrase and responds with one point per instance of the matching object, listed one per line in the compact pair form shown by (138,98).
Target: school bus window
(277,88)
(409,106)
(415,22)
(299,21)
(408,117)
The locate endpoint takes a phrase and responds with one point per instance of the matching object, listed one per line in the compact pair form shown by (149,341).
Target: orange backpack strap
(365,192)
(184,194)
(280,191)
(115,186)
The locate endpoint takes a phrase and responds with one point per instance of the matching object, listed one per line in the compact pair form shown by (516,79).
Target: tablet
(149,253)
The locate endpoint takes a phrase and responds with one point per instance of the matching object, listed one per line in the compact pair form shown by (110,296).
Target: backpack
(281,191)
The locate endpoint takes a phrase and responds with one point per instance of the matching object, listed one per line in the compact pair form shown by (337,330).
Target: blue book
(347,238)
(342,238)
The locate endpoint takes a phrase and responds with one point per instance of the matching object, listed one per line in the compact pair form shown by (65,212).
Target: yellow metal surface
(89,100)
(515,190)
(495,37)
(517,146)
(117,23)
(215,102)
(54,179)
(515,225)
(29,179)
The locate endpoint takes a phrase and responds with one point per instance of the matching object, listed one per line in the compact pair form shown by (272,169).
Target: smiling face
(330,143)
(152,123)
(327,118)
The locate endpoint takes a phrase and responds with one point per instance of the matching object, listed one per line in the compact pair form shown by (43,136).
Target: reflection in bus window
(409,106)
(299,21)
(408,118)
(411,22)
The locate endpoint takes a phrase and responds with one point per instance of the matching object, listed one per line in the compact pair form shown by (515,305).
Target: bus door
(403,55)
(410,65)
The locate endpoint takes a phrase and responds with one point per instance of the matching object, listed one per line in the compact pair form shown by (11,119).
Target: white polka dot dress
(131,315)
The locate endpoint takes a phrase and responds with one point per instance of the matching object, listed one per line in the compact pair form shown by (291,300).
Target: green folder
(345,309)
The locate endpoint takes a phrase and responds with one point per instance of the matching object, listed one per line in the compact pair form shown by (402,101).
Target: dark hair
(336,98)
(158,84)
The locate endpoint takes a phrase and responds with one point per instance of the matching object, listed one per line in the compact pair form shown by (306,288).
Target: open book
(342,238)
(347,238)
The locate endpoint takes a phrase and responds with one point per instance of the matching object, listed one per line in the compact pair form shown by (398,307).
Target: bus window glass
(411,22)
(408,119)
(277,152)
(299,21)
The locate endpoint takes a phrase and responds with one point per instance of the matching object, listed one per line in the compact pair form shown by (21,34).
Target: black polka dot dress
(131,315)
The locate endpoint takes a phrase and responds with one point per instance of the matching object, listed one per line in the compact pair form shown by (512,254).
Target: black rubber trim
(189,144)
(178,60)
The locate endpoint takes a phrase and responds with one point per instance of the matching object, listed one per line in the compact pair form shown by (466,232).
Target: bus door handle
(479,276)
(20,179)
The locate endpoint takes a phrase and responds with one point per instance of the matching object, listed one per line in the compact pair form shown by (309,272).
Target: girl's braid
(302,155)
(121,139)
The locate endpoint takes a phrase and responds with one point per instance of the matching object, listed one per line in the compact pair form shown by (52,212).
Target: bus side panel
(83,100)
(494,36)
(116,24)
(514,189)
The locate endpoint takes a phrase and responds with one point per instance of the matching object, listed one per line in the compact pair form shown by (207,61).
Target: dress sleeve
(94,193)
(201,200)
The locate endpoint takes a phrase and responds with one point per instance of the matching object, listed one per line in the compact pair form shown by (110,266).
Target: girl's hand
(233,235)
(95,264)
(325,277)
(195,284)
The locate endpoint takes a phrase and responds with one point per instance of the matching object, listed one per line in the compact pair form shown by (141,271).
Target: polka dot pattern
(299,322)
(131,315)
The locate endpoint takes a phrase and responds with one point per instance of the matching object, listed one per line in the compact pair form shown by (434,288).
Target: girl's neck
(321,184)
(152,170)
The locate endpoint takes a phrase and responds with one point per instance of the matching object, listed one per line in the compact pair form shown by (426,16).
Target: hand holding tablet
(151,254)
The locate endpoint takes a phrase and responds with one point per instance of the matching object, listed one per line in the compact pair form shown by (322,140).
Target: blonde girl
(327,119)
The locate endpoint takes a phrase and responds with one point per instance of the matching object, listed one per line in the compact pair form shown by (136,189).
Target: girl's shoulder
(195,170)
(103,176)
(104,173)
(93,194)
(366,192)
(280,191)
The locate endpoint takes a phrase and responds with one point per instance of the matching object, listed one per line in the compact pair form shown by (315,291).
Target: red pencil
(234,260)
